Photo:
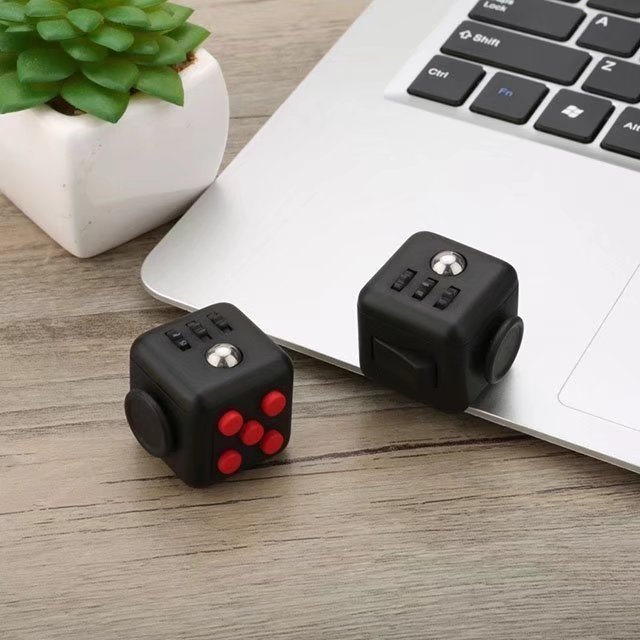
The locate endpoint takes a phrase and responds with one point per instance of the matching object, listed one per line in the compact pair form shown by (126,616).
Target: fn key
(446,80)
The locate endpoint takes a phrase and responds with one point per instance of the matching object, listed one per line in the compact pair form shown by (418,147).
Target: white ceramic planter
(92,185)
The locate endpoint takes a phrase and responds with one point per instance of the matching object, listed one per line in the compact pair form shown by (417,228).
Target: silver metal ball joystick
(224,356)
(448,263)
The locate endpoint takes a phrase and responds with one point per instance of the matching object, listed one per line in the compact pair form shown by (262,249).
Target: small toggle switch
(407,276)
(178,339)
(221,322)
(425,289)
(447,298)
(198,330)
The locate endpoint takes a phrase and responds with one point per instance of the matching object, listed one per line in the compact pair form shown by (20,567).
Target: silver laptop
(507,125)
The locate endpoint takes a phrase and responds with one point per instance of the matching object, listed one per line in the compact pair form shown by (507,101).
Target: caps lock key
(446,80)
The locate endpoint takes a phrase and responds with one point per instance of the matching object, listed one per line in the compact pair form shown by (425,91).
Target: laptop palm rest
(605,383)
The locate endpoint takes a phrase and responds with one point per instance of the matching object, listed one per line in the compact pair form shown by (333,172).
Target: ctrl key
(447,80)
(624,136)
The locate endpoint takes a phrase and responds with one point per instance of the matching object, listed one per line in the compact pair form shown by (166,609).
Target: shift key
(518,53)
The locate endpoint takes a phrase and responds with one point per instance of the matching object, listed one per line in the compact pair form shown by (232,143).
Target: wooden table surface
(383,519)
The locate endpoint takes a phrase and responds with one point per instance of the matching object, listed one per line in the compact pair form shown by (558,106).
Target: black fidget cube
(439,322)
(210,394)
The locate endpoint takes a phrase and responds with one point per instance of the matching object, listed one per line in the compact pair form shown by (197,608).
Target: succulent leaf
(45,9)
(20,28)
(113,38)
(93,54)
(162,82)
(118,75)
(180,14)
(87,20)
(56,30)
(16,95)
(84,50)
(87,96)
(11,12)
(190,36)
(160,20)
(144,45)
(45,64)
(169,52)
(128,16)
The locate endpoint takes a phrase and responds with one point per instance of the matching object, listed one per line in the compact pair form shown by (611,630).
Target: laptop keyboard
(564,85)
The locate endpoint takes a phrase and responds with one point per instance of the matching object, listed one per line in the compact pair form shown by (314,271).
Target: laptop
(512,126)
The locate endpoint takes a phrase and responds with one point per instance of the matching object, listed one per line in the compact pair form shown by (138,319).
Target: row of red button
(232,422)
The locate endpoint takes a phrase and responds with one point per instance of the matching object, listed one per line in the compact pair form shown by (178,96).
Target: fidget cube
(439,322)
(210,394)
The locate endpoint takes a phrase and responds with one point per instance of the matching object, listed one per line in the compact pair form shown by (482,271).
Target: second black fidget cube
(210,394)
(439,322)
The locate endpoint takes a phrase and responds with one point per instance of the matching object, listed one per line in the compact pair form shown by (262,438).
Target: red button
(273,403)
(272,442)
(251,433)
(230,423)
(229,462)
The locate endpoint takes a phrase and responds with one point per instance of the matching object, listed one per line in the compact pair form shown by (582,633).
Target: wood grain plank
(383,519)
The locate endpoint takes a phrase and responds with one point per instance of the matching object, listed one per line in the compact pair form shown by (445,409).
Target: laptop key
(518,53)
(538,17)
(447,80)
(612,35)
(575,116)
(624,136)
(623,7)
(510,98)
(615,79)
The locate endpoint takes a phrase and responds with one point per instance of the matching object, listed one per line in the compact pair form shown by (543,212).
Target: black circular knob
(504,349)
(149,423)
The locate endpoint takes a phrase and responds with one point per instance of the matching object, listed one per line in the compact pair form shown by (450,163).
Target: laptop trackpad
(606,382)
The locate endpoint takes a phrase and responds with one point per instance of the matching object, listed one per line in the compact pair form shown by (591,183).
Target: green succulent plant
(93,54)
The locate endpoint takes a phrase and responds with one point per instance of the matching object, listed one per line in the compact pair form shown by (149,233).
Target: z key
(615,79)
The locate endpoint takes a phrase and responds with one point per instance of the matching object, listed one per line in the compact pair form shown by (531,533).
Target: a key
(518,53)
(539,17)
(510,98)
(575,116)
(623,7)
(615,79)
(624,136)
(611,35)
(446,80)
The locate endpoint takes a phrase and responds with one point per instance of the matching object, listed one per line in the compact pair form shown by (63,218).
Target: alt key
(624,136)
(447,80)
